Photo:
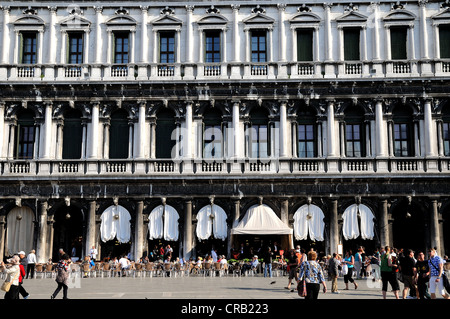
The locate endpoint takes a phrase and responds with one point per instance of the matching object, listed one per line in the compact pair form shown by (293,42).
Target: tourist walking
(387,274)
(62,277)
(333,272)
(349,261)
(312,273)
(23,267)
(358,263)
(375,265)
(292,264)
(423,276)
(408,269)
(436,264)
(31,259)
(268,258)
(12,270)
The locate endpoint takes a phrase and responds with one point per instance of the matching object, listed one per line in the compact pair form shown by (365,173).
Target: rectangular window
(304,44)
(29,47)
(306,140)
(121,47)
(212,141)
(259,141)
(167,47)
(212,47)
(444,41)
(354,141)
(75,48)
(351,44)
(446,126)
(401,140)
(398,43)
(25,139)
(258,46)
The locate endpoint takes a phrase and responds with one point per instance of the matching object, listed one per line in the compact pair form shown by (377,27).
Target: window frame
(78,52)
(254,34)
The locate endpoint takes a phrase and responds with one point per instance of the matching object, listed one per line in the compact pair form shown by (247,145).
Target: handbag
(6,286)
(344,269)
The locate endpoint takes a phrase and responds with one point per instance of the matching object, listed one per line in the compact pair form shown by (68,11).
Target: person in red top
(23,263)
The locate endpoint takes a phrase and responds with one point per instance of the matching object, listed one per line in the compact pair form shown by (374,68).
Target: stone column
(41,252)
(50,235)
(380,130)
(98,35)
(384,223)
(5,35)
(141,140)
(334,227)
(93,150)
(234,221)
(434,226)
(52,36)
(139,235)
(90,226)
(283,130)
(236,35)
(281,35)
(189,34)
(430,132)
(331,131)
(328,35)
(47,131)
(144,35)
(187,240)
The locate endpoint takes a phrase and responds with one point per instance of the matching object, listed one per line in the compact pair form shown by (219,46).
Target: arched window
(403,131)
(259,136)
(212,134)
(165,133)
(355,143)
(25,135)
(119,135)
(72,135)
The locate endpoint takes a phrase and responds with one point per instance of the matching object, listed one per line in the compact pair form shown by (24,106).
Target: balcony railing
(161,168)
(25,72)
(401,67)
(119,70)
(353,68)
(212,70)
(166,70)
(73,71)
(176,71)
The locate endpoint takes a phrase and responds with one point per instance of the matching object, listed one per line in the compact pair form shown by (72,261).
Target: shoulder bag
(7,284)
(444,278)
(301,287)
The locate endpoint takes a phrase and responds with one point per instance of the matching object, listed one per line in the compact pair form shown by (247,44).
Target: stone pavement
(193,287)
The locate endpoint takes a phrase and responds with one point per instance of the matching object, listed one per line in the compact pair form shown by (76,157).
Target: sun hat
(15,260)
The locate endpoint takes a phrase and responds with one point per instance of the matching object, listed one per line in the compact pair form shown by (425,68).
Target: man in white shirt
(93,253)
(31,258)
(125,264)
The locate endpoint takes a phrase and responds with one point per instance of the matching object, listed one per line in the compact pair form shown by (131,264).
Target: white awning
(261,220)
(350,228)
(211,219)
(309,219)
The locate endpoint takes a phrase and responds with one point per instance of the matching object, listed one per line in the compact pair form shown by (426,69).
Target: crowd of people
(422,277)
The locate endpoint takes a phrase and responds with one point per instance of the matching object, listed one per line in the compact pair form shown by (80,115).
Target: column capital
(235,7)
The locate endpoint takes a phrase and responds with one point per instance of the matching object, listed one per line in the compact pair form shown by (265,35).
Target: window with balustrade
(355,143)
(165,132)
(72,135)
(444,41)
(119,135)
(403,132)
(75,48)
(399,37)
(446,136)
(25,135)
(121,42)
(259,46)
(259,134)
(212,47)
(212,135)
(352,44)
(305,45)
(28,47)
(167,47)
